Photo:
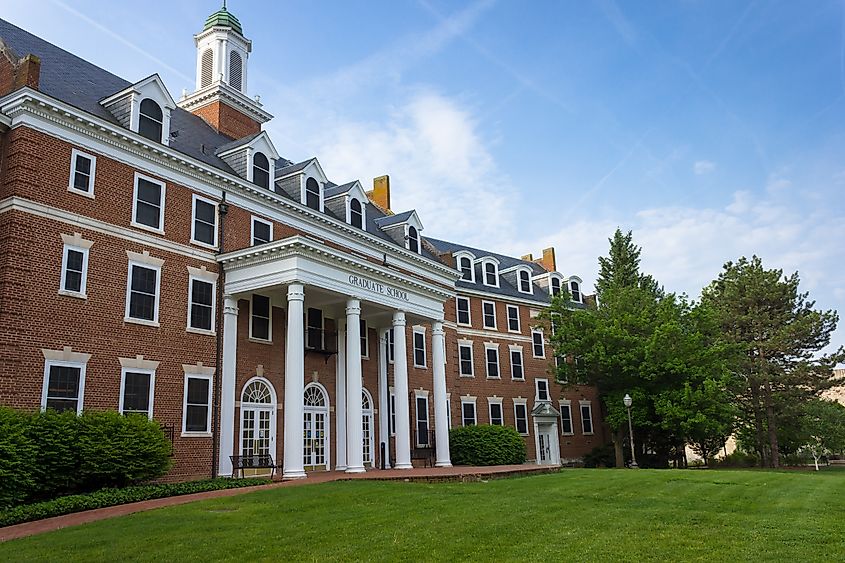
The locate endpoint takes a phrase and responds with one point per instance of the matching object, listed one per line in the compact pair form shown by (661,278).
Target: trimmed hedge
(113,497)
(486,445)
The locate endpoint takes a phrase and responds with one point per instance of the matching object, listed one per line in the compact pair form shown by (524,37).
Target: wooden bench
(243,462)
(425,454)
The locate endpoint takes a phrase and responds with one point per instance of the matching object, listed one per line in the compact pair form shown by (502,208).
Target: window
(520,414)
(136,391)
(261,170)
(516,364)
(390,346)
(262,231)
(148,209)
(566,418)
(142,292)
(575,290)
(74,271)
(463,310)
(537,348)
(314,329)
(206,68)
(356,213)
(312,194)
(82,169)
(468,412)
(465,266)
(419,348)
(423,439)
(197,414)
(525,281)
(496,415)
(391,422)
(204,222)
(64,384)
(489,310)
(413,240)
(491,276)
(555,286)
(259,322)
(586,417)
(200,304)
(236,66)
(365,340)
(542,386)
(491,353)
(465,352)
(513,318)
(150,120)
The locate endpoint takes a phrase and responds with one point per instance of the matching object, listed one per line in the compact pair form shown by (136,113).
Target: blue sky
(711,129)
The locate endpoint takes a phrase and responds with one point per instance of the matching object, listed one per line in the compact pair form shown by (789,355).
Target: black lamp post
(628,402)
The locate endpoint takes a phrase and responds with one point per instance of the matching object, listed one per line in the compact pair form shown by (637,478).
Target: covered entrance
(316,427)
(258,425)
(546,440)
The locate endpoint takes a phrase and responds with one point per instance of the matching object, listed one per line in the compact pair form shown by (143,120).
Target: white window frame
(408,239)
(71,188)
(524,404)
(160,230)
(391,413)
(466,344)
(560,281)
(365,339)
(510,308)
(419,330)
(151,373)
(589,405)
(83,285)
(580,292)
(487,347)
(471,267)
(254,220)
(542,343)
(391,343)
(421,394)
(469,401)
(512,348)
(363,212)
(205,277)
(484,264)
(48,363)
(458,299)
(252,338)
(197,433)
(484,316)
(537,390)
(519,274)
(566,404)
(495,401)
(194,199)
(150,265)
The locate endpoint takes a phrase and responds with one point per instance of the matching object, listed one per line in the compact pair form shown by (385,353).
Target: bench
(243,462)
(425,454)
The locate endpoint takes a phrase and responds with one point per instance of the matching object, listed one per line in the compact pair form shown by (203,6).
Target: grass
(573,515)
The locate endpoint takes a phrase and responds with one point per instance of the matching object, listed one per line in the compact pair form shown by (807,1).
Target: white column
(340,409)
(227,387)
(383,397)
(441,417)
(400,383)
(354,414)
(294,384)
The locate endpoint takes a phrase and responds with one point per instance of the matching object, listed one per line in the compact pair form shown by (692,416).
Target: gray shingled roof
(332,190)
(285,170)
(388,220)
(236,143)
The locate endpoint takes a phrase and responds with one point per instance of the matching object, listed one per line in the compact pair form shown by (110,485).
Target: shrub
(113,497)
(738,458)
(16,453)
(55,463)
(601,456)
(486,445)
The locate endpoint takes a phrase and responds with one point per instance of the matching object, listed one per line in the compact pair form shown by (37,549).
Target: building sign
(378,287)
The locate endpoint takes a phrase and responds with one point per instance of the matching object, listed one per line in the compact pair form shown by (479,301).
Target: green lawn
(573,515)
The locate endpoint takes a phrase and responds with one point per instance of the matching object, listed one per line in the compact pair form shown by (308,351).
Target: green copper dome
(223,18)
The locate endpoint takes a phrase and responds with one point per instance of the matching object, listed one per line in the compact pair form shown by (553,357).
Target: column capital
(399,318)
(296,292)
(230,305)
(437,328)
(353,306)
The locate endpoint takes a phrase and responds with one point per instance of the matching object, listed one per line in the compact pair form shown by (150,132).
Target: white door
(544,451)
(367,413)
(258,424)
(315,427)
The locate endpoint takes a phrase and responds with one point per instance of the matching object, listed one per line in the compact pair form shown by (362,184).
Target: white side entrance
(258,420)
(369,442)
(546,441)
(316,427)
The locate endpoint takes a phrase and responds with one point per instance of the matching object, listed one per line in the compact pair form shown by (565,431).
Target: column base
(403,466)
(442,464)
(355,470)
(294,474)
(340,468)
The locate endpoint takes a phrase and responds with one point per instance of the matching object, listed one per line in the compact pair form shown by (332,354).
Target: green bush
(55,464)
(486,445)
(601,456)
(738,458)
(16,453)
(113,497)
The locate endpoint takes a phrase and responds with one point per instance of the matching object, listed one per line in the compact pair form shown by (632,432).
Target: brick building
(160,257)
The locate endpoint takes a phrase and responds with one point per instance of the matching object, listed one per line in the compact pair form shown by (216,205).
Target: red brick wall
(228,120)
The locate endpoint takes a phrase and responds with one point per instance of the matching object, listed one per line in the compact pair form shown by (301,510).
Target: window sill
(539,357)
(196,434)
(143,322)
(521,379)
(466,376)
(203,244)
(260,341)
(420,367)
(147,228)
(514,331)
(74,294)
(468,325)
(588,433)
(494,377)
(568,434)
(201,331)
(89,195)
(490,328)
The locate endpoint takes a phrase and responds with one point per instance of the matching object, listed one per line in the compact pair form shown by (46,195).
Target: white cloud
(701,167)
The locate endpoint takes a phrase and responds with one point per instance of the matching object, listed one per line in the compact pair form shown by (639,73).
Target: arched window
(206,68)
(356,213)
(150,120)
(236,70)
(490,275)
(465,266)
(314,396)
(261,170)
(524,281)
(413,240)
(258,393)
(312,194)
(555,285)
(575,290)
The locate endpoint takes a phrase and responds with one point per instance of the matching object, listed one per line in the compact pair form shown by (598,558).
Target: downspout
(222,210)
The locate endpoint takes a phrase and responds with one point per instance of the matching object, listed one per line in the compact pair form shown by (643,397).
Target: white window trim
(408,239)
(421,394)
(580,291)
(469,401)
(484,319)
(252,229)
(391,412)
(537,390)
(589,405)
(197,374)
(207,277)
(518,322)
(511,349)
(269,322)
(152,264)
(419,330)
(194,199)
(82,246)
(458,298)
(471,258)
(71,188)
(542,342)
(365,336)
(160,230)
(492,346)
(363,211)
(524,404)
(519,273)
(558,277)
(495,401)
(566,404)
(304,191)
(151,373)
(484,263)
(50,362)
(466,344)
(391,343)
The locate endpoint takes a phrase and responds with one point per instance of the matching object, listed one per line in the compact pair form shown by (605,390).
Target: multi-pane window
(137,392)
(516,364)
(413,240)
(462,305)
(197,416)
(419,349)
(491,276)
(422,422)
(314,329)
(520,413)
(259,313)
(149,203)
(468,413)
(64,386)
(513,318)
(391,348)
(524,281)
(201,304)
(205,221)
(488,309)
(260,170)
(82,171)
(150,120)
(555,285)
(365,341)
(537,348)
(465,266)
(391,421)
(312,194)
(542,386)
(465,352)
(575,290)
(566,418)
(496,416)
(356,213)
(491,354)
(143,292)
(586,418)
(262,231)
(74,270)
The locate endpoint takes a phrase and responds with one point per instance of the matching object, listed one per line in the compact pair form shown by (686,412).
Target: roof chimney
(380,194)
(528,258)
(548,259)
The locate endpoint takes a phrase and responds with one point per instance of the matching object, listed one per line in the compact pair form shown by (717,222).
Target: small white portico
(310,274)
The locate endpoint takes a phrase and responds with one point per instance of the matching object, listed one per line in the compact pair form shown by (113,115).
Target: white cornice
(500,297)
(220,91)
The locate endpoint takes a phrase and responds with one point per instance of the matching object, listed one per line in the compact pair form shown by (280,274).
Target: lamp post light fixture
(628,402)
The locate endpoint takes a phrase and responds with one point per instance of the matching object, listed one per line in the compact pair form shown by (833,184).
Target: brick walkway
(418,474)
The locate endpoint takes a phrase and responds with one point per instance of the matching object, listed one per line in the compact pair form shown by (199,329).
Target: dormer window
(150,120)
(356,213)
(575,290)
(465,266)
(261,170)
(555,286)
(524,281)
(312,194)
(491,275)
(413,240)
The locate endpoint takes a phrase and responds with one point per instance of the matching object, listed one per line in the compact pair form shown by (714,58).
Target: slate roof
(388,220)
(332,190)
(237,143)
(291,168)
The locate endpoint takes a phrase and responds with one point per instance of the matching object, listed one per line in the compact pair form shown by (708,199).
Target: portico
(313,281)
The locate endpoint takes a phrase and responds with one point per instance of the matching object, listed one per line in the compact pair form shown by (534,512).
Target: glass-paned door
(255,431)
(315,439)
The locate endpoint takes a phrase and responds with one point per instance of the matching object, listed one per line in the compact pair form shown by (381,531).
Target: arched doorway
(368,427)
(316,427)
(258,419)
